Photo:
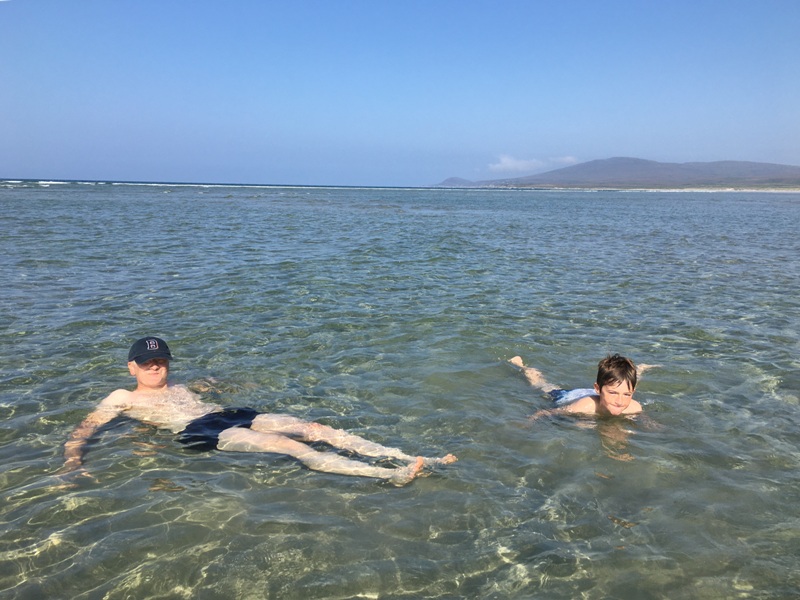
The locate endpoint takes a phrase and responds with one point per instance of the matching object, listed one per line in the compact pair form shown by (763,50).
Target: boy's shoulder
(586,405)
(633,408)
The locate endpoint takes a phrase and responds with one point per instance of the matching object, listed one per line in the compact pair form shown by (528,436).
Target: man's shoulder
(117,398)
(178,386)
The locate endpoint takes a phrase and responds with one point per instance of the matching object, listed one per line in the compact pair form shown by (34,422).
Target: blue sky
(372,92)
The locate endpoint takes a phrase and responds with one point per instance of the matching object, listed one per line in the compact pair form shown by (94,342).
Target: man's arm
(110,408)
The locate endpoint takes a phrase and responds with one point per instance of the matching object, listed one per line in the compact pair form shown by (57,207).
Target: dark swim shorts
(203,433)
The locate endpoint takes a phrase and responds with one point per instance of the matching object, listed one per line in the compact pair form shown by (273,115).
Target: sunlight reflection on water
(391,313)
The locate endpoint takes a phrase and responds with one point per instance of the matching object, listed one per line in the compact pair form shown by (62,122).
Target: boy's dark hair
(616,369)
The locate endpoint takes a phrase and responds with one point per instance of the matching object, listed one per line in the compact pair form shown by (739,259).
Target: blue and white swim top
(564,397)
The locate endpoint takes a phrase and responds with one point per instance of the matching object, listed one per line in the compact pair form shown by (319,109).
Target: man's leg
(239,439)
(316,432)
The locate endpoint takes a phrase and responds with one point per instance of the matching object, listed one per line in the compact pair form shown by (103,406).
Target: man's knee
(316,432)
(281,423)
(235,439)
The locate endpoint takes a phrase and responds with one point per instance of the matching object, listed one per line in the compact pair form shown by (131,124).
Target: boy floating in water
(612,394)
(206,426)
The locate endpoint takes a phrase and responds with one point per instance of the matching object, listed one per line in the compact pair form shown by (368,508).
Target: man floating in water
(612,394)
(205,426)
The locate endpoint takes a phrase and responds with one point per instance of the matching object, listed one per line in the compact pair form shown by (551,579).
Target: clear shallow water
(391,313)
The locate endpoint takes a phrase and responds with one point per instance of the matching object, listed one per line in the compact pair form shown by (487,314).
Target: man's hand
(73,472)
(71,464)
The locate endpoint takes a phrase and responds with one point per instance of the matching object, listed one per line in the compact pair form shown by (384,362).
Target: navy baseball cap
(149,348)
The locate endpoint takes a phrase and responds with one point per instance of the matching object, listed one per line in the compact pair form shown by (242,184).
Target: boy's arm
(569,409)
(74,449)
(647,422)
(546,413)
(642,368)
(584,406)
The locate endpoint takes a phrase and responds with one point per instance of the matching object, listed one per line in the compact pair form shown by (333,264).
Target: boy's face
(151,374)
(614,397)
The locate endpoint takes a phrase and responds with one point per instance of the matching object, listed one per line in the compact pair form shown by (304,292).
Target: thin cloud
(510,164)
(563,161)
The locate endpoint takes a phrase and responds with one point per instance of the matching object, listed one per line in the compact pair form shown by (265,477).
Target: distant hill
(636,173)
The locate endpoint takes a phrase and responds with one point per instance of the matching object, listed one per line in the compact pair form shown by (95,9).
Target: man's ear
(130,368)
(596,387)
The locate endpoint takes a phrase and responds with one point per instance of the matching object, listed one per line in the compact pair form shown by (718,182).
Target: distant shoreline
(628,174)
(11,182)
(624,189)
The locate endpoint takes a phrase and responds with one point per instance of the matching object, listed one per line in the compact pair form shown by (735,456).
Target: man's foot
(407,474)
(445,460)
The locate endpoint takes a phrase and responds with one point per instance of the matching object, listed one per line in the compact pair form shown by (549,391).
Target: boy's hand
(642,368)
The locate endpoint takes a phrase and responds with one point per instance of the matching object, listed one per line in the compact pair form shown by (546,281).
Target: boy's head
(616,369)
